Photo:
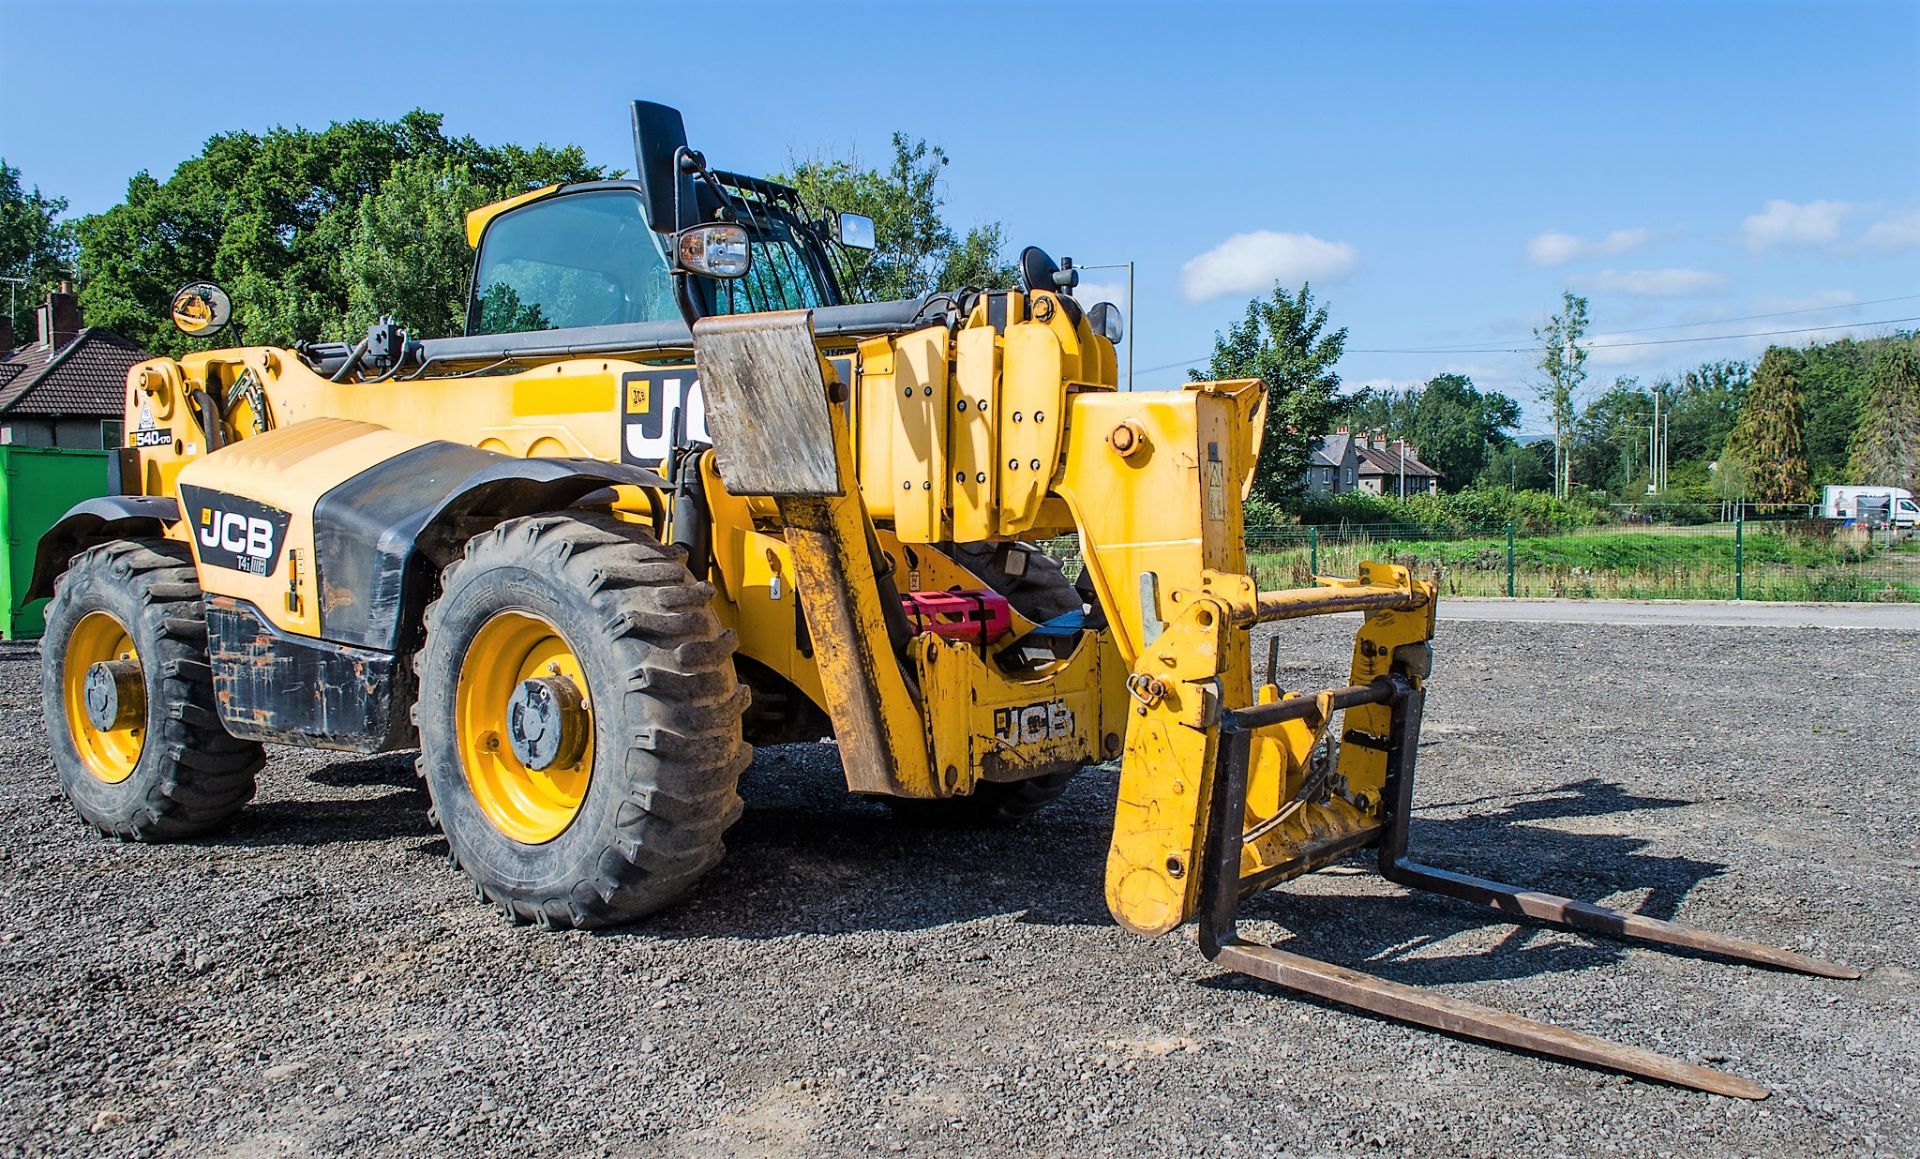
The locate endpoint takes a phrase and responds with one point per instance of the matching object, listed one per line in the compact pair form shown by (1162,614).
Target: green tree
(1387,409)
(1886,448)
(915,250)
(1769,441)
(273,217)
(1563,360)
(35,246)
(1703,406)
(1836,379)
(1454,426)
(1520,468)
(1284,341)
(407,254)
(1609,446)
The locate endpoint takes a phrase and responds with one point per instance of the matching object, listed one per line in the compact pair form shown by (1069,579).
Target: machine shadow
(331,820)
(808,858)
(1509,845)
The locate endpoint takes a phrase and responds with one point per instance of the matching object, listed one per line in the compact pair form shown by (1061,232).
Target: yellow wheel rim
(532,806)
(109,754)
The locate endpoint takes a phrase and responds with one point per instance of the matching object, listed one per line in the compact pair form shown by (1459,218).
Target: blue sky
(1440,171)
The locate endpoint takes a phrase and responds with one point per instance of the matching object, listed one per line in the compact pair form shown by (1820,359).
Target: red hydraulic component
(982,616)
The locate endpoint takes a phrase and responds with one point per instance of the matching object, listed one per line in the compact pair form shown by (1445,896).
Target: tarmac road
(1696,613)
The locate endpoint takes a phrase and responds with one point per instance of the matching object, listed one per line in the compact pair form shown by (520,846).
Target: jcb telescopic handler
(672,493)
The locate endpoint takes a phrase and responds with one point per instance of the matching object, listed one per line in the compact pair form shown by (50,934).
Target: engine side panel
(249,508)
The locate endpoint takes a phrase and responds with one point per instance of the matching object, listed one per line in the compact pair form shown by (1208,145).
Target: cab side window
(579,259)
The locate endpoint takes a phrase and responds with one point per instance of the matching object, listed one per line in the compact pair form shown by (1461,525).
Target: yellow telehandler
(672,493)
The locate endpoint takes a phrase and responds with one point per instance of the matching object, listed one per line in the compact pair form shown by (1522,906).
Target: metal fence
(1776,559)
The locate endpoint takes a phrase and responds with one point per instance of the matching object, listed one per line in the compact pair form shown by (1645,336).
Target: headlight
(713,251)
(1107,322)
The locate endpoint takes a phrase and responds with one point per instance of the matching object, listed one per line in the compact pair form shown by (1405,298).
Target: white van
(1874,506)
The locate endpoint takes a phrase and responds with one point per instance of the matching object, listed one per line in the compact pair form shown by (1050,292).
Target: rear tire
(628,819)
(173,771)
(1040,592)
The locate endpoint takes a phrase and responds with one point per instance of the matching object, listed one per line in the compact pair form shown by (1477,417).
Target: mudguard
(93,522)
(377,535)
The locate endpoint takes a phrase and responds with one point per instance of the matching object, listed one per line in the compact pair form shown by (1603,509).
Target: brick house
(1331,466)
(1389,465)
(1370,462)
(68,387)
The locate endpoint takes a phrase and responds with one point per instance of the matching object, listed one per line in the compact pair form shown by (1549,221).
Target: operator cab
(585,255)
(663,248)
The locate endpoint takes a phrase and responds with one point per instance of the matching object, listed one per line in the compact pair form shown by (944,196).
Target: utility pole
(1666,448)
(1654,467)
(1566,460)
(13,293)
(1653,446)
(1127,266)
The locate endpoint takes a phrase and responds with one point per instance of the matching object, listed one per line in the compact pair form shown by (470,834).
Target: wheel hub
(104,697)
(546,723)
(524,726)
(115,694)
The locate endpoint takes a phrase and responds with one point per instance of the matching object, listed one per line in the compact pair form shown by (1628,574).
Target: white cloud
(1894,234)
(1669,283)
(1554,248)
(1603,350)
(1785,223)
(1253,262)
(1091,293)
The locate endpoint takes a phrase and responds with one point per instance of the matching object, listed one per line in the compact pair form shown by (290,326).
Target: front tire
(580,720)
(131,717)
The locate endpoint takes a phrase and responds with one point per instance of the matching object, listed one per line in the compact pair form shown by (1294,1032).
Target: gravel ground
(318,981)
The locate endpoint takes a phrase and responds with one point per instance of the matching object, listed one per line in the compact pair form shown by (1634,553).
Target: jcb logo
(1034,723)
(249,535)
(235,532)
(651,399)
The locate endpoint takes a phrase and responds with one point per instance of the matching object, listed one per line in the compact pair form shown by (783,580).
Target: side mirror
(1108,322)
(713,251)
(855,231)
(201,309)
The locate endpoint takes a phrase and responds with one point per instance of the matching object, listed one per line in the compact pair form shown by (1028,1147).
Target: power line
(1521,350)
(1483,347)
(1775,314)
(1590,345)
(1757,334)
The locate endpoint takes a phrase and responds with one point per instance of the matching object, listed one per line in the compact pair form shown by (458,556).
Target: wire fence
(1797,559)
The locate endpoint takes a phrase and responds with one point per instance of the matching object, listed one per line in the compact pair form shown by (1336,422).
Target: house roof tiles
(87,377)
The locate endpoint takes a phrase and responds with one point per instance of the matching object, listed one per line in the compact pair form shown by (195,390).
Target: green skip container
(37,486)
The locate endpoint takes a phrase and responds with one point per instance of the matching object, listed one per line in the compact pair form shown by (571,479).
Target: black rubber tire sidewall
(571,859)
(192,776)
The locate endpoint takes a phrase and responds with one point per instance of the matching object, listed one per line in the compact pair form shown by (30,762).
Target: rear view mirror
(855,231)
(713,251)
(1108,322)
(201,309)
